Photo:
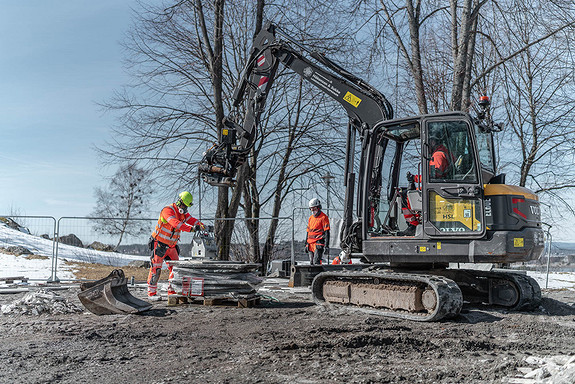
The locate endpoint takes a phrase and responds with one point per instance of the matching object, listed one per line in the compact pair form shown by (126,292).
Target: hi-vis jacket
(171,223)
(316,229)
(441,159)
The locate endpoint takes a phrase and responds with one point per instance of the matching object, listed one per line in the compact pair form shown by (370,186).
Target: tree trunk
(278,198)
(413,13)
(224,234)
(252,209)
(460,56)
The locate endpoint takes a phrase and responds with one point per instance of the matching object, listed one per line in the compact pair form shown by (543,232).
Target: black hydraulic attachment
(110,296)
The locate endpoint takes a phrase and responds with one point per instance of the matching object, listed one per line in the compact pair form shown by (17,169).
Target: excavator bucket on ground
(110,296)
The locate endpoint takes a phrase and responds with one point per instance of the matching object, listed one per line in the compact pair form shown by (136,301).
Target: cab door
(452,189)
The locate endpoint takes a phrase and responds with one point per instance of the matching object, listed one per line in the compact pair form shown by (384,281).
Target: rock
(18,250)
(71,239)
(139,263)
(101,247)
(14,225)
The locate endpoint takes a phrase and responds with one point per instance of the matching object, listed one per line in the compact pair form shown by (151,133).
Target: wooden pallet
(174,300)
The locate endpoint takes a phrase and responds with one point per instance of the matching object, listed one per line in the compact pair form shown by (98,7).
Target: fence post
(53,278)
(549,244)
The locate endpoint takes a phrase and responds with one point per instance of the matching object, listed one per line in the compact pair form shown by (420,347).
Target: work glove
(326,251)
(199,227)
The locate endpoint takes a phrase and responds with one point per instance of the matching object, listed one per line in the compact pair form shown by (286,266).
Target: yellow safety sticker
(439,245)
(224,132)
(518,242)
(352,99)
(422,249)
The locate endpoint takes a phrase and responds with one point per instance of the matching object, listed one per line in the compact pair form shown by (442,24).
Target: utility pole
(327,178)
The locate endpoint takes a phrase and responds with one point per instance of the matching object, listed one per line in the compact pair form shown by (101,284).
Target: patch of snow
(38,302)
(556,280)
(11,266)
(548,369)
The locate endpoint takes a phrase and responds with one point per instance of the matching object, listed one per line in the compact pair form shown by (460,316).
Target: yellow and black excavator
(460,211)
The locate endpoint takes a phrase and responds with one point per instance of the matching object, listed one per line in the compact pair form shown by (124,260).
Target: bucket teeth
(110,296)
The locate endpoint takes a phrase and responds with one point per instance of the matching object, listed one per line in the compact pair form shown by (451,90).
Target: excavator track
(511,290)
(401,295)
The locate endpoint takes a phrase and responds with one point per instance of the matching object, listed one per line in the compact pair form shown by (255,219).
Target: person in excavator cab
(163,243)
(439,166)
(317,239)
(441,159)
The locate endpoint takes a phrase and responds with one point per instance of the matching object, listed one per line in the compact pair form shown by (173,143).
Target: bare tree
(300,137)
(455,26)
(540,106)
(125,199)
(183,78)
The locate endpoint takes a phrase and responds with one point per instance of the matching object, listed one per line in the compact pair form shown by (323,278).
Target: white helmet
(314,203)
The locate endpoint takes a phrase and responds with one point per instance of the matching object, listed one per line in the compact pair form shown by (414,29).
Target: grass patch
(36,257)
(94,271)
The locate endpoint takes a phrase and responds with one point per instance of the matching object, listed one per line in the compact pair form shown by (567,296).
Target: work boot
(155,298)
(410,231)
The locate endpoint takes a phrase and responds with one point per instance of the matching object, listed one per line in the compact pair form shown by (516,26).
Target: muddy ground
(285,339)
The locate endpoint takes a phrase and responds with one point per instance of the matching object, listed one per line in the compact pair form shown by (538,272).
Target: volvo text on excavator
(425,195)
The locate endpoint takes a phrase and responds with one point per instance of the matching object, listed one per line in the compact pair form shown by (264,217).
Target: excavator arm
(364,105)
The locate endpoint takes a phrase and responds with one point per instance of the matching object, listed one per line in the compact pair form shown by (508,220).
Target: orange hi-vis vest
(316,228)
(441,159)
(171,223)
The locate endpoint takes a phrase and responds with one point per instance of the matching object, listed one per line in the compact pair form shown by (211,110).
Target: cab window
(450,153)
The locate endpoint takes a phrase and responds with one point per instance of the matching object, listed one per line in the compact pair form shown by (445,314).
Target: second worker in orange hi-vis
(317,240)
(174,219)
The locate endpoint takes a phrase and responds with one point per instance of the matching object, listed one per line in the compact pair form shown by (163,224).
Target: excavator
(464,213)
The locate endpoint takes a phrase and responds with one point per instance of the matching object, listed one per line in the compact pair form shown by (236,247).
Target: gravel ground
(286,339)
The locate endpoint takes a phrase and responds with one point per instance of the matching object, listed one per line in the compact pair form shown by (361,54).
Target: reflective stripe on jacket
(171,223)
(316,228)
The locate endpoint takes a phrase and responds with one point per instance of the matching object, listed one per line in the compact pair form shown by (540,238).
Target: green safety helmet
(186,198)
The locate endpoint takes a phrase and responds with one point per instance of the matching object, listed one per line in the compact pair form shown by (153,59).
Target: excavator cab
(425,171)
(434,174)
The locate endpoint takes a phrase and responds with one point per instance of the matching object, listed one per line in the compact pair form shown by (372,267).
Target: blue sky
(57,60)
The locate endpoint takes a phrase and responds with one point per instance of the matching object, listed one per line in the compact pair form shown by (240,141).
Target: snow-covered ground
(40,269)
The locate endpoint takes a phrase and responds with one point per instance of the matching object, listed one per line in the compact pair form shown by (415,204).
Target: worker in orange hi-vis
(342,258)
(174,219)
(317,240)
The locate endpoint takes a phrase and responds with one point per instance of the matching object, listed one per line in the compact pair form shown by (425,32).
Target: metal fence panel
(34,233)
